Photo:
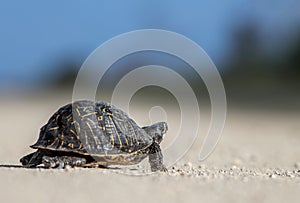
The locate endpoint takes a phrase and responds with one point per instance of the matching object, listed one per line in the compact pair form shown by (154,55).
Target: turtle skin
(90,133)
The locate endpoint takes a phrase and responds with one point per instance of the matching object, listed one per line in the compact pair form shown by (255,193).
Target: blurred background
(254,44)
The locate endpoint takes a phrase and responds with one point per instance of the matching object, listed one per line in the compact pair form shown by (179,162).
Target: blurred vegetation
(262,78)
(292,61)
(251,73)
(250,66)
(63,75)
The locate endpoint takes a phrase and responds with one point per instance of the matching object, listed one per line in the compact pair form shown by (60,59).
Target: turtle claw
(160,169)
(61,162)
(164,169)
(52,162)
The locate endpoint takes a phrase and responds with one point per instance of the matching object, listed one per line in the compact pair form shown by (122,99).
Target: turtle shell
(92,128)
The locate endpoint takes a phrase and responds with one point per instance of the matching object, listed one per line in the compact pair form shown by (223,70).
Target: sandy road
(257,160)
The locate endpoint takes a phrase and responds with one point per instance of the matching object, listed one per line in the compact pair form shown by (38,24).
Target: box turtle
(90,133)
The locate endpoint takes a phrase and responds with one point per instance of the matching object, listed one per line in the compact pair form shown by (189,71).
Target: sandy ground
(257,160)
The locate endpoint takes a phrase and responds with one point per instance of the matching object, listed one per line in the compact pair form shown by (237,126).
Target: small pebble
(237,162)
(188,164)
(233,167)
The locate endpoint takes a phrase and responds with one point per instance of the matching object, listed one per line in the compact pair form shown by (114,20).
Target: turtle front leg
(156,158)
(62,161)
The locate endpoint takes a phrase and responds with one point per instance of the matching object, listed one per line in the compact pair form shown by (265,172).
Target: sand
(256,160)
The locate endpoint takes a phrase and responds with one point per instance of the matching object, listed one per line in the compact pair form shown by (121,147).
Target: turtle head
(157,131)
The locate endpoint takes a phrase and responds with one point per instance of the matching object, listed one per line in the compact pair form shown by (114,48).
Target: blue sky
(36,35)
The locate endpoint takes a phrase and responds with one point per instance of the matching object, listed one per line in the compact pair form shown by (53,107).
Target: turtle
(89,133)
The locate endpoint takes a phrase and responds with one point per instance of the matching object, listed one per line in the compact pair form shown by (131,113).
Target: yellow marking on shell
(109,127)
(119,139)
(78,112)
(54,128)
(77,128)
(56,139)
(89,114)
(100,118)
(126,141)
(69,117)
(72,131)
(131,142)
(86,140)
(136,139)
(62,137)
(90,120)
(89,126)
(76,134)
(61,144)
(57,117)
(71,145)
(112,141)
(101,127)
